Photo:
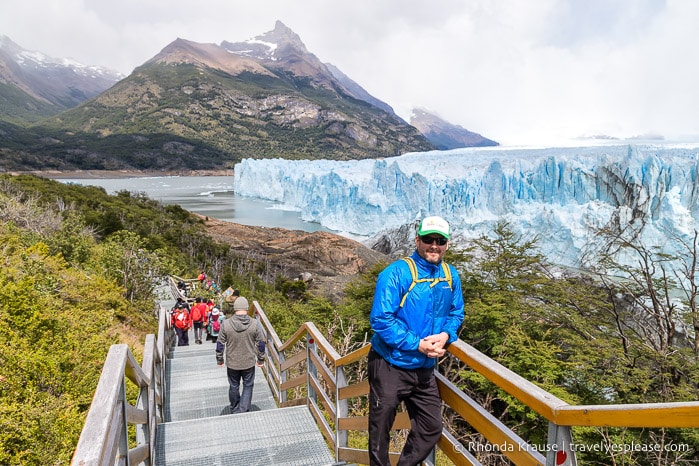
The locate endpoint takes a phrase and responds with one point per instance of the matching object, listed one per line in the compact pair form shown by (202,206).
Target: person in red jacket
(181,321)
(198,315)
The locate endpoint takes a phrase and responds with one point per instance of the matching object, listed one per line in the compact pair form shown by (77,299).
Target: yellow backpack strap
(413,273)
(445,278)
(447,274)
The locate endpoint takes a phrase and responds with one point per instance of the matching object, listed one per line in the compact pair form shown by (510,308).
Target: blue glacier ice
(563,195)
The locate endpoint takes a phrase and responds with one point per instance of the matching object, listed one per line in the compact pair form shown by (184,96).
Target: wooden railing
(105,436)
(307,369)
(190,286)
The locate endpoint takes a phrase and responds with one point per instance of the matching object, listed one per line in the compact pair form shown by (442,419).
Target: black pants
(240,403)
(182,337)
(388,387)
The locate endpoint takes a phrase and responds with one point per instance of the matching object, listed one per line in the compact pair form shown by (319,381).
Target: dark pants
(182,337)
(240,403)
(388,387)
(197,331)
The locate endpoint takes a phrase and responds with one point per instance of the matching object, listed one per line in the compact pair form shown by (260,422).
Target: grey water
(210,196)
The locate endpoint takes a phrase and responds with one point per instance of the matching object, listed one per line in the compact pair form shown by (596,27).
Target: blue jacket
(427,311)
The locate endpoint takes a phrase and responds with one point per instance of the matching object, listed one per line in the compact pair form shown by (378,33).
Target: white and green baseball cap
(433,225)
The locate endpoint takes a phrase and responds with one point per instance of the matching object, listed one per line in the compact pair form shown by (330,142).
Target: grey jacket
(243,340)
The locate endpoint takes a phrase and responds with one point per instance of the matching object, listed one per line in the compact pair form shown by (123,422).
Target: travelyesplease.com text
(600,447)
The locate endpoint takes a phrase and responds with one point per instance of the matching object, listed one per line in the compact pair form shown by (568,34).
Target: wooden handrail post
(147,399)
(283,376)
(311,368)
(123,455)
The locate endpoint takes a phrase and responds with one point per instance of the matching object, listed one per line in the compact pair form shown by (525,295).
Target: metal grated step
(287,436)
(198,387)
(199,429)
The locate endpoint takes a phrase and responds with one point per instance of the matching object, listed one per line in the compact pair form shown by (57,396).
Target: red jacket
(203,309)
(180,319)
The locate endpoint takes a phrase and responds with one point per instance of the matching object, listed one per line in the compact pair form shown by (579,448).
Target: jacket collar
(423,264)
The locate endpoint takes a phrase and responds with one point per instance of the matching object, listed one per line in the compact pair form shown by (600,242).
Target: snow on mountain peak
(258,49)
(37,60)
(267,46)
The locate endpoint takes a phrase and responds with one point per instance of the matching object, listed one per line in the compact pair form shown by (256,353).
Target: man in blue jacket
(417,310)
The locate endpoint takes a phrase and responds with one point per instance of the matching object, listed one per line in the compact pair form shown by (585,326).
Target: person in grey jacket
(243,341)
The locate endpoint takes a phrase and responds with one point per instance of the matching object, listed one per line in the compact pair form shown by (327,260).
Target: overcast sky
(521,72)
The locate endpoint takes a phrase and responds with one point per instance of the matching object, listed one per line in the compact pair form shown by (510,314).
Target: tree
(654,310)
(124,258)
(586,339)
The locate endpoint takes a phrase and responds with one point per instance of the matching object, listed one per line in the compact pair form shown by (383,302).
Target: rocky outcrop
(326,262)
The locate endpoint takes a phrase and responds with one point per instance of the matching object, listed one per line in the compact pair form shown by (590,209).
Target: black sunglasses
(431,240)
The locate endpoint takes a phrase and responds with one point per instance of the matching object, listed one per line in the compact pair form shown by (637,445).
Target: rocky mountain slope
(207,106)
(34,85)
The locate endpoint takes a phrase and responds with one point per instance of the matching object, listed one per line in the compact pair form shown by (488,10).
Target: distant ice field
(561,195)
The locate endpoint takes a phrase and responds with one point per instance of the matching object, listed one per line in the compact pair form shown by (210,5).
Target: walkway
(199,429)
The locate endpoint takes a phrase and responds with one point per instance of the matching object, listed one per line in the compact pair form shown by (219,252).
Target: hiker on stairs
(181,322)
(198,315)
(214,326)
(242,339)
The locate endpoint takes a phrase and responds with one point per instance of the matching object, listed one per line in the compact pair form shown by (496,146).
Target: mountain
(562,196)
(34,85)
(208,106)
(358,91)
(444,135)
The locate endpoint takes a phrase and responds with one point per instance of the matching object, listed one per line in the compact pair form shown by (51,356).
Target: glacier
(560,195)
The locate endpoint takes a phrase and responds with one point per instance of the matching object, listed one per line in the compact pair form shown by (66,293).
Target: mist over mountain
(34,85)
(358,91)
(444,135)
(192,106)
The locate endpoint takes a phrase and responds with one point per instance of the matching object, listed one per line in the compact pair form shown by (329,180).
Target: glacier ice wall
(560,194)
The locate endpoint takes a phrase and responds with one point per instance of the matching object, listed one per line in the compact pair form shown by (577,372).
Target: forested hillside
(75,279)
(80,268)
(80,271)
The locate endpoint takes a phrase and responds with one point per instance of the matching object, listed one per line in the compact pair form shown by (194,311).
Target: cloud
(518,72)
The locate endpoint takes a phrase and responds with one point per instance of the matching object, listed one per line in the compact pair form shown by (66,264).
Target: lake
(207,195)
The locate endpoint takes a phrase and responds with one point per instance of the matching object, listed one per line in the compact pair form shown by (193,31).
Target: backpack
(196,313)
(413,272)
(216,325)
(181,319)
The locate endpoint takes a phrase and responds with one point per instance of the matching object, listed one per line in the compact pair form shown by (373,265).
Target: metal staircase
(199,429)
